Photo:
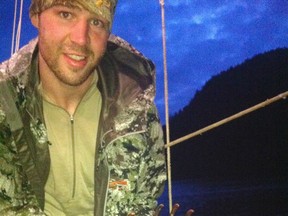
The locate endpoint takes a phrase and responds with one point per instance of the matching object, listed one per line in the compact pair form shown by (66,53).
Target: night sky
(204,37)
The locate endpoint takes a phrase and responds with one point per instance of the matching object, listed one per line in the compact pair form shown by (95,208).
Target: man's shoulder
(19,61)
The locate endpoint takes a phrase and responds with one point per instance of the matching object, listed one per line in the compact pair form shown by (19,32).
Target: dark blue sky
(204,37)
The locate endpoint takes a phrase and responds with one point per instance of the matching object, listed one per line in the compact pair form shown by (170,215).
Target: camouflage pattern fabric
(130,162)
(16,197)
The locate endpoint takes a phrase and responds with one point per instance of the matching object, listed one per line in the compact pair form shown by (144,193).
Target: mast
(162,4)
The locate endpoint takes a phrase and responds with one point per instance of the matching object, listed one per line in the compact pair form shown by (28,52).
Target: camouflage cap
(104,8)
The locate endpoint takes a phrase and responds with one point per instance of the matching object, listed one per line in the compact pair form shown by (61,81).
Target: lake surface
(229,199)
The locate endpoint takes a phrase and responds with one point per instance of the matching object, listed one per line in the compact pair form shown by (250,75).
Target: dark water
(229,199)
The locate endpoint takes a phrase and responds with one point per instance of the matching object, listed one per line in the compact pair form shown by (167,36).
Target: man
(79,132)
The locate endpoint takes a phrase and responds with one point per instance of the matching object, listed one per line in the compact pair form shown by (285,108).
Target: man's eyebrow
(68,5)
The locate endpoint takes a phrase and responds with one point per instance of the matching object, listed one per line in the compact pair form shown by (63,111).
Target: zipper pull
(71,119)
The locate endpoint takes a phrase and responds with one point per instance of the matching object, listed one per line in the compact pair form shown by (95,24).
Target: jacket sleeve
(152,172)
(137,170)
(16,197)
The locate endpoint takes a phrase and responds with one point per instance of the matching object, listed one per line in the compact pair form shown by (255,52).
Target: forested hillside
(252,147)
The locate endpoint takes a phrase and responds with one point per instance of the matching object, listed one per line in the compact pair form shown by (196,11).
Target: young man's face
(71,42)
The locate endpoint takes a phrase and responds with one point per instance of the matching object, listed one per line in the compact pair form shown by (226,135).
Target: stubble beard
(71,76)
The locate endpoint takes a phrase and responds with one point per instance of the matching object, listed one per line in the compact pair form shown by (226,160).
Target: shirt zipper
(73,156)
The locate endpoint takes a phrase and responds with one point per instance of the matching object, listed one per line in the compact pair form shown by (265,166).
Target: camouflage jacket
(129,160)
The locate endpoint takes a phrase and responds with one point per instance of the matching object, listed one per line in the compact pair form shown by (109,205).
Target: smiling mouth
(76,57)
(76,61)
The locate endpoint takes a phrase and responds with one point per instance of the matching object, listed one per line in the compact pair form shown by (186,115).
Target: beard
(54,57)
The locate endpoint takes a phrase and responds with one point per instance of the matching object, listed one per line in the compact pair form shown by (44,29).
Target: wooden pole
(283,95)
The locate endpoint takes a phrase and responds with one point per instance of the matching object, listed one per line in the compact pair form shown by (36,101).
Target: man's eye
(65,15)
(97,23)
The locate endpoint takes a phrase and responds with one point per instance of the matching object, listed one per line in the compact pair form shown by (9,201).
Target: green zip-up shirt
(70,186)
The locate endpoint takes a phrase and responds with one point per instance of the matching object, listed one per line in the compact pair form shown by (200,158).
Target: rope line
(14,27)
(162,4)
(283,95)
(16,35)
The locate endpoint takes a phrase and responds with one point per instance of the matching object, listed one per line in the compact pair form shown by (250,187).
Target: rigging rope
(283,95)
(162,4)
(14,27)
(16,36)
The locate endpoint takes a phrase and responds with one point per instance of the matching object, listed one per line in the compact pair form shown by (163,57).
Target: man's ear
(35,20)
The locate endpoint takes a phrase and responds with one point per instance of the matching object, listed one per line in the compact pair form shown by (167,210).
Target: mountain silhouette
(252,147)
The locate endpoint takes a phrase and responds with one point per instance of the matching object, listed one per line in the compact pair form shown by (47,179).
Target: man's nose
(80,33)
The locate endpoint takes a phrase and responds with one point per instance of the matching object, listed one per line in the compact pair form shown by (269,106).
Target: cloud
(207,37)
